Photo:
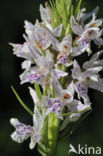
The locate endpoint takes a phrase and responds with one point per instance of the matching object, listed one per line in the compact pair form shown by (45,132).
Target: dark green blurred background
(12,16)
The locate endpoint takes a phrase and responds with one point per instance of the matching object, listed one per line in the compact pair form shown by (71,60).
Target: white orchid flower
(23,132)
(89,32)
(94,61)
(86,79)
(40,35)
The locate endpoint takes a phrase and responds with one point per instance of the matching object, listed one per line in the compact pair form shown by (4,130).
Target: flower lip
(62,58)
(34,77)
(84,41)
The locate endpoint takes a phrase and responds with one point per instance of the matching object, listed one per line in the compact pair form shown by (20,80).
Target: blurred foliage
(12,16)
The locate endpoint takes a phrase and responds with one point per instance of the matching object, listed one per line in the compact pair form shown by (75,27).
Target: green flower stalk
(60,84)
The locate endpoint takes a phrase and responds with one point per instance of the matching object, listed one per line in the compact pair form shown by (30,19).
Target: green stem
(53,132)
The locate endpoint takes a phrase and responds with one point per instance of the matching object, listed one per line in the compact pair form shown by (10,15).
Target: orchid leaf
(69,3)
(78,8)
(72,126)
(21,102)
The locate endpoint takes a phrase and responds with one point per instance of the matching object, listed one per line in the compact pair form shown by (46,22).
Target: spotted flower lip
(23,132)
(55,106)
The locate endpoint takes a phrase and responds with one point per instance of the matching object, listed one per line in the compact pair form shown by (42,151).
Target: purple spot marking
(63,59)
(84,41)
(82,89)
(35,77)
(22,129)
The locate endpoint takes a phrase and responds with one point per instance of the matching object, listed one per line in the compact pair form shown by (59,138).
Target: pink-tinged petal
(45,15)
(80,15)
(94,22)
(78,50)
(56,86)
(76,71)
(87,16)
(26,65)
(34,95)
(93,70)
(49,59)
(38,121)
(77,29)
(66,45)
(91,33)
(94,61)
(70,88)
(97,85)
(21,50)
(28,25)
(54,42)
(58,73)
(29,28)
(77,106)
(57,31)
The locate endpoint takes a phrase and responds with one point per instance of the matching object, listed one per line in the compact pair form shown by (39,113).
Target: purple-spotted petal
(35,77)
(22,132)
(77,106)
(63,59)
(81,89)
(58,73)
(55,107)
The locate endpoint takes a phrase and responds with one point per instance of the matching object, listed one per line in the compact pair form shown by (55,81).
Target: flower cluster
(50,61)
